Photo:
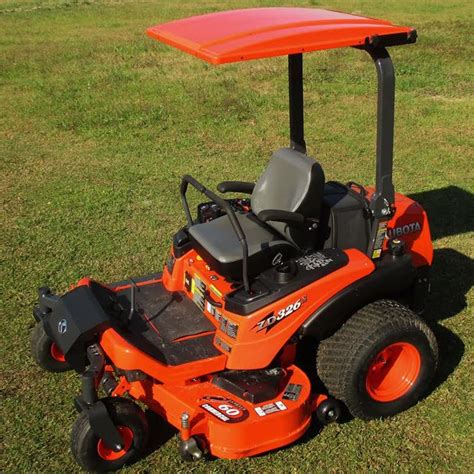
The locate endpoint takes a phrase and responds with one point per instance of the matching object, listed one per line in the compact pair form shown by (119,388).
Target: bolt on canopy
(242,35)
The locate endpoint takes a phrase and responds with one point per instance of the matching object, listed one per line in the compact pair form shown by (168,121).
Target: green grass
(97,125)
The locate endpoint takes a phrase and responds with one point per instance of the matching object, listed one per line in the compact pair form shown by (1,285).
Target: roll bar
(225,206)
(384,195)
(383,198)
(295,95)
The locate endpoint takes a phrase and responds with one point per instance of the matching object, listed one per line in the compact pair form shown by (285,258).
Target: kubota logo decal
(62,326)
(404,229)
(270,321)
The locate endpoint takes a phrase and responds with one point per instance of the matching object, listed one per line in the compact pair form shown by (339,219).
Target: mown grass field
(97,125)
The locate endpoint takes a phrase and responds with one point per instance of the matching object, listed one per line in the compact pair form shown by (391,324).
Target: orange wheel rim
(57,353)
(108,453)
(393,371)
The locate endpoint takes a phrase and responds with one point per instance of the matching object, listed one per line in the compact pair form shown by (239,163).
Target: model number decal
(225,409)
(272,319)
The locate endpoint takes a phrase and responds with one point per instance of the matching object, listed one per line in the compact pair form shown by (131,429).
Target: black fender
(393,278)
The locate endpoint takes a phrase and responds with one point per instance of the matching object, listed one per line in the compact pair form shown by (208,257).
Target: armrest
(235,187)
(281,216)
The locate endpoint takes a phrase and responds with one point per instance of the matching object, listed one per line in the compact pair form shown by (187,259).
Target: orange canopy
(240,35)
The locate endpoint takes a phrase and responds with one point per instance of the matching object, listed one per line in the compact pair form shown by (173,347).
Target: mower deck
(243,413)
(234,426)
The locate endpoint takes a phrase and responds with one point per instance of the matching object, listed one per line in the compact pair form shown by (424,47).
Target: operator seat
(292,182)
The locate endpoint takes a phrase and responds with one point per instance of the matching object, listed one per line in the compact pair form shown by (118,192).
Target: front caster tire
(45,352)
(328,411)
(380,362)
(93,454)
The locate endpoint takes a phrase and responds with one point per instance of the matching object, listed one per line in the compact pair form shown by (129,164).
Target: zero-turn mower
(217,343)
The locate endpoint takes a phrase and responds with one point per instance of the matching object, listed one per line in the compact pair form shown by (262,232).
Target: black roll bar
(225,206)
(384,196)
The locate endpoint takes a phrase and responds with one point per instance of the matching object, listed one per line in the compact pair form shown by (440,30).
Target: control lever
(133,287)
(210,299)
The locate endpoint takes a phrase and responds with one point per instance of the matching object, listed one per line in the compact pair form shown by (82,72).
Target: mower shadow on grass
(452,278)
(160,432)
(450,210)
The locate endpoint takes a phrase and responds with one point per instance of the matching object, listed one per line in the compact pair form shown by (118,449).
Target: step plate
(168,326)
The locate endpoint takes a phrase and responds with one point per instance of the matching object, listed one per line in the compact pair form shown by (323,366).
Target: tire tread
(337,355)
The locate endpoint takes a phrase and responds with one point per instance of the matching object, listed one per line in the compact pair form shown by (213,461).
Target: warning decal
(270,408)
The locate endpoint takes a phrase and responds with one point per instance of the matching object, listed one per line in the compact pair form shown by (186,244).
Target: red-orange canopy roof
(240,35)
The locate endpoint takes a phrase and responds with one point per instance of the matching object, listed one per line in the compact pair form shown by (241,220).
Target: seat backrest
(292,181)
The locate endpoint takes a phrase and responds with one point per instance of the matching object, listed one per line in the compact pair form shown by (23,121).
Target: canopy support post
(382,201)
(384,196)
(295,83)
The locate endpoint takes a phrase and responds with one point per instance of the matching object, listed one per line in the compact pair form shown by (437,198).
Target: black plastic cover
(79,315)
(346,219)
(392,278)
(255,386)
(269,286)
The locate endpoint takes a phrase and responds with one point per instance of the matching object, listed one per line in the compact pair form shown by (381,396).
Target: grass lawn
(97,125)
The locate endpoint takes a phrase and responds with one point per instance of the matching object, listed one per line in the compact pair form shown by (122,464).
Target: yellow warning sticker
(215,290)
(376,253)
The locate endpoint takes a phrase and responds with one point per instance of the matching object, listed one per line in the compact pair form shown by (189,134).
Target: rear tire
(45,352)
(380,362)
(93,454)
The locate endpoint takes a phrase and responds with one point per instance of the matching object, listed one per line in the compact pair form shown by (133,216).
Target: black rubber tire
(41,351)
(84,442)
(344,358)
(329,411)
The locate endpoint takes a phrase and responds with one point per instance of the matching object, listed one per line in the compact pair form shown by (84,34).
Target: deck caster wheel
(190,450)
(93,454)
(45,352)
(329,411)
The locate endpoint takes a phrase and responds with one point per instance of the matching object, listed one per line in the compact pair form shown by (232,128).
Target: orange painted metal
(249,429)
(107,453)
(254,348)
(126,356)
(241,35)
(393,371)
(410,224)
(56,353)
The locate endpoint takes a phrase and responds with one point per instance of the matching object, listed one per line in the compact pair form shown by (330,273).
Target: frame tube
(295,93)
(384,195)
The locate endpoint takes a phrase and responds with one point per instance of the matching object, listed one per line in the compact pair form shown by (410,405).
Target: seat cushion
(218,244)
